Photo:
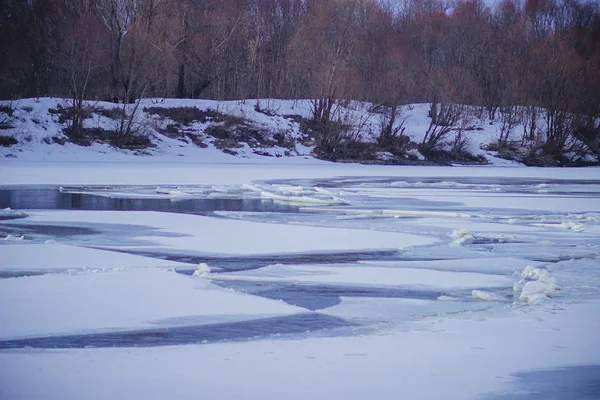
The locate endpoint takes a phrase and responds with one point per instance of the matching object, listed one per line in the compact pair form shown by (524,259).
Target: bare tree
(81,57)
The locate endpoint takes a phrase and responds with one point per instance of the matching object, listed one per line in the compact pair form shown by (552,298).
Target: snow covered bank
(213,131)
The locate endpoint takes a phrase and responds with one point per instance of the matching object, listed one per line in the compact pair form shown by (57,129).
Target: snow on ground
(132,172)
(37,128)
(109,301)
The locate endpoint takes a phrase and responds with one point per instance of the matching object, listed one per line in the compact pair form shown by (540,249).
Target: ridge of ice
(417,213)
(461,237)
(484,295)
(8,212)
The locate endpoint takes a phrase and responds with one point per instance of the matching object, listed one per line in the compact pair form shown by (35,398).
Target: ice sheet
(85,302)
(372,275)
(223,236)
(143,171)
(461,357)
(47,257)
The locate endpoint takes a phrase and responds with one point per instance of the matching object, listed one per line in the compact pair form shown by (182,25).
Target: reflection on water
(52,198)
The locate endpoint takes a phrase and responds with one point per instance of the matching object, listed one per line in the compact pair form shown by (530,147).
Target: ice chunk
(486,296)
(518,286)
(202,270)
(8,213)
(532,273)
(535,285)
(13,238)
(535,292)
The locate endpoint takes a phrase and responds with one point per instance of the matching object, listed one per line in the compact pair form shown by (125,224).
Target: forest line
(512,61)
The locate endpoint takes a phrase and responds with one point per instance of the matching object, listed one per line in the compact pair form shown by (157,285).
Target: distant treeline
(542,53)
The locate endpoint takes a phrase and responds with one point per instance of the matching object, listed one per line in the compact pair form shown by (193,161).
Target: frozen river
(246,271)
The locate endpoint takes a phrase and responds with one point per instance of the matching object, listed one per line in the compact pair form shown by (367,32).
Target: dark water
(57,231)
(569,383)
(238,331)
(51,198)
(247,263)
(20,274)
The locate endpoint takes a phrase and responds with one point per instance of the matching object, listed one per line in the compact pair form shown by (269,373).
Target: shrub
(186,115)
(7,141)
(115,114)
(132,142)
(7,109)
(67,114)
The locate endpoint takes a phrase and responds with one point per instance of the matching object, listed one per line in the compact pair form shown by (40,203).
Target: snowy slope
(36,125)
